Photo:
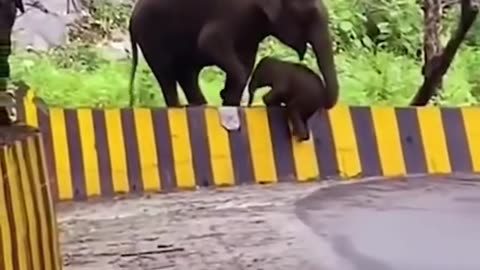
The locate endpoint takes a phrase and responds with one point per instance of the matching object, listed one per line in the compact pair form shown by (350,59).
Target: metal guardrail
(9,103)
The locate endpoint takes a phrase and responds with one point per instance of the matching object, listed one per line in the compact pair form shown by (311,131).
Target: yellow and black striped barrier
(93,152)
(28,232)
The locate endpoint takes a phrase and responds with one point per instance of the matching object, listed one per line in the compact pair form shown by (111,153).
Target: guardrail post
(8,103)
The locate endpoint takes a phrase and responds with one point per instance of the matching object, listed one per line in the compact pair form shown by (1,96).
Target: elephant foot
(301,132)
(229,118)
(303,136)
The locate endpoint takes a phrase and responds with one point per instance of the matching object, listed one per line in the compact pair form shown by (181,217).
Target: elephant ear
(271,8)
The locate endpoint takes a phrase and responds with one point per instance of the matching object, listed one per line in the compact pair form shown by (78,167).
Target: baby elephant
(300,89)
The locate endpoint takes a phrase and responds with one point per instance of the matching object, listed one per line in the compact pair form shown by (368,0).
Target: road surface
(419,224)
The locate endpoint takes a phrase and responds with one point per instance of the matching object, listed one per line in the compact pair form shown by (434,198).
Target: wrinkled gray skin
(8,11)
(180,37)
(300,89)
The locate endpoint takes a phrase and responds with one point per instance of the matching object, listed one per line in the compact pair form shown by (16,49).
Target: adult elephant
(180,37)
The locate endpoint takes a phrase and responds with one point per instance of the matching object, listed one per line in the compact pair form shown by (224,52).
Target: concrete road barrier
(28,230)
(93,152)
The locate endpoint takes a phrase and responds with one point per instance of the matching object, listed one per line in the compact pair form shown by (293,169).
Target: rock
(44,24)
(47,24)
(115,50)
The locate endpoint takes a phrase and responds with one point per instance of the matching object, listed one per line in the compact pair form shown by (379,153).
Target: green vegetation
(378,60)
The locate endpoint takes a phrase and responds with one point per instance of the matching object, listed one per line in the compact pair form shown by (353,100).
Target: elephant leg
(188,80)
(247,57)
(218,45)
(168,86)
(272,99)
(165,76)
(299,123)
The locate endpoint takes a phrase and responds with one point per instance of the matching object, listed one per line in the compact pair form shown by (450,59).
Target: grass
(365,79)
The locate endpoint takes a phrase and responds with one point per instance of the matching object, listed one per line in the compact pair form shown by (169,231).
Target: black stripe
(281,144)
(240,151)
(366,141)
(103,153)
(411,139)
(45,128)
(197,130)
(321,128)
(76,154)
(163,142)
(458,150)
(132,153)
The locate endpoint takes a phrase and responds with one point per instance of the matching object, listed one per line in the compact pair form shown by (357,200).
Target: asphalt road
(419,224)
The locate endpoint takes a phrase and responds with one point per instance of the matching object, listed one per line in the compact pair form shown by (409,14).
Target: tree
(437,64)
(432,46)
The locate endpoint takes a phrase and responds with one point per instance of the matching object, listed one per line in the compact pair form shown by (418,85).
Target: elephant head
(298,22)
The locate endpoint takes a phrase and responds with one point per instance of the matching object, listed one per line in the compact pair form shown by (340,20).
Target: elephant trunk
(322,46)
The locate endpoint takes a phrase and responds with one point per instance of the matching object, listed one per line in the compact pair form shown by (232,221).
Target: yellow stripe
(305,158)
(147,150)
(345,142)
(41,206)
(182,155)
(62,157)
(30,109)
(260,145)
(27,201)
(433,138)
(221,158)
(471,117)
(388,141)
(18,214)
(4,225)
(116,146)
(89,152)
(50,207)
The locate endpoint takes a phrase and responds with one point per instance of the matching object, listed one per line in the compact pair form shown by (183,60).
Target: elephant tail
(134,66)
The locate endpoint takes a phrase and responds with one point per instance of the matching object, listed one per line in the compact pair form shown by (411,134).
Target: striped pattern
(106,152)
(28,232)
